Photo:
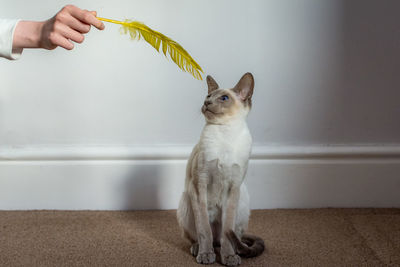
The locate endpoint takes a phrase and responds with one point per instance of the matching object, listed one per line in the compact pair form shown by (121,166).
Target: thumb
(101,27)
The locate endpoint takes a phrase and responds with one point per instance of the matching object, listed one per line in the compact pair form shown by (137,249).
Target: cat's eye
(208,95)
(224,97)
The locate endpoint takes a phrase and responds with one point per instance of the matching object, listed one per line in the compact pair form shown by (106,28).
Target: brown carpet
(316,237)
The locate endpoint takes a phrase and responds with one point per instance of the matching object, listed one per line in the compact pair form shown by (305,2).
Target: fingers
(75,24)
(71,34)
(70,24)
(65,43)
(57,39)
(85,16)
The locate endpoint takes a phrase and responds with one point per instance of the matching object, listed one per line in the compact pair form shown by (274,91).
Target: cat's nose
(207,102)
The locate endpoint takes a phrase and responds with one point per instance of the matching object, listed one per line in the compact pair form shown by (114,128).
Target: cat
(214,207)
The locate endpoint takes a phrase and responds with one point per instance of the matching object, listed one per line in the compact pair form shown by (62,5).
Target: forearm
(27,34)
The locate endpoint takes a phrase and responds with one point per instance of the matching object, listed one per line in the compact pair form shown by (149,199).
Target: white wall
(327,73)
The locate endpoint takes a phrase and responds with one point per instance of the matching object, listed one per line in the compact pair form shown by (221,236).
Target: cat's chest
(229,146)
(226,155)
(226,152)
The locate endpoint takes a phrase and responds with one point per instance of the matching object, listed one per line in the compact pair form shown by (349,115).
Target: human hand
(67,26)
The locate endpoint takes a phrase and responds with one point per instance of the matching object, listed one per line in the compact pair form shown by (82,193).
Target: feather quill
(177,53)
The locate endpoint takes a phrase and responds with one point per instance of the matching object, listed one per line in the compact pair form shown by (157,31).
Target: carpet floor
(315,237)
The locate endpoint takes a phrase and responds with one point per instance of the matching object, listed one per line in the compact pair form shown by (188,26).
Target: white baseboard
(119,178)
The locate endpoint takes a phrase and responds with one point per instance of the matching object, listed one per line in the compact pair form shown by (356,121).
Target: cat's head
(224,105)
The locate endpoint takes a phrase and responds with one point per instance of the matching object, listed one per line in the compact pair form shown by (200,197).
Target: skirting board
(125,178)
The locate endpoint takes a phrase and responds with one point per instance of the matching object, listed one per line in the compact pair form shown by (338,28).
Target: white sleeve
(7,28)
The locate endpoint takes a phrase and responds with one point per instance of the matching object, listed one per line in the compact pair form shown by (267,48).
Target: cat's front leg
(228,253)
(206,253)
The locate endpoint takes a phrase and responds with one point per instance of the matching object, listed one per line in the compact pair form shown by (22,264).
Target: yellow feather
(177,53)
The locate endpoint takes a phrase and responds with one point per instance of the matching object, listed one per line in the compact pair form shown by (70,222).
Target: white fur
(216,201)
(222,153)
(230,145)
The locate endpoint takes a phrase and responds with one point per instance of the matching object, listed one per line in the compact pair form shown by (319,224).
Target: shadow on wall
(363,102)
(142,188)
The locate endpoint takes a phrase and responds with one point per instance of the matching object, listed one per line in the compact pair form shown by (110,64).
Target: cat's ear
(212,84)
(244,88)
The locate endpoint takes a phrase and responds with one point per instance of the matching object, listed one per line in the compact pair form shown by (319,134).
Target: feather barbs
(177,53)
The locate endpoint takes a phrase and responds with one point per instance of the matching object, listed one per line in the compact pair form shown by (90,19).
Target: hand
(67,26)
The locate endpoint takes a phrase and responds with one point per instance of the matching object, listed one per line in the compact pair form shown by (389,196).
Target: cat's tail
(249,246)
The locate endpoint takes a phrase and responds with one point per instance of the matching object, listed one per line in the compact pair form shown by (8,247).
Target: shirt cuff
(7,29)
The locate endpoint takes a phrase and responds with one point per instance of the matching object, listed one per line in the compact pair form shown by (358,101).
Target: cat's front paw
(206,258)
(231,260)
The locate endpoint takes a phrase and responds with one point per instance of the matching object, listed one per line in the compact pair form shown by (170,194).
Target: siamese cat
(214,208)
